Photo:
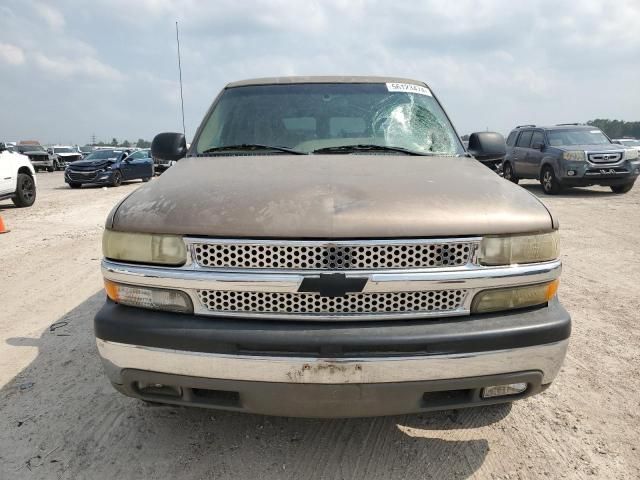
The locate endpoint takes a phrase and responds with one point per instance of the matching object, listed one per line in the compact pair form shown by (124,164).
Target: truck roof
(322,79)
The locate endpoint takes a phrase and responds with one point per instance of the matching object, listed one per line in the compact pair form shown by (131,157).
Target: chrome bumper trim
(469,277)
(472,278)
(546,358)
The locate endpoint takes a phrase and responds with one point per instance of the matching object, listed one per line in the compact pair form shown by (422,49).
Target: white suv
(17,178)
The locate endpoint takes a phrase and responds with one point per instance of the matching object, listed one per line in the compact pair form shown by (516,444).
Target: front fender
(551,161)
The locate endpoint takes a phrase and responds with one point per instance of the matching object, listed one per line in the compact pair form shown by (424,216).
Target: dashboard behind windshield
(308,117)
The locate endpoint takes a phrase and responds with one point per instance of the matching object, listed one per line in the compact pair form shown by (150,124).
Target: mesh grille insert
(312,303)
(327,256)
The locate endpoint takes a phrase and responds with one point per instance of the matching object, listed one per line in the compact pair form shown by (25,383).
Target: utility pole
(93,140)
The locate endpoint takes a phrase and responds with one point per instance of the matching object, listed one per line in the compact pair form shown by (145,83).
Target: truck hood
(36,152)
(330,196)
(94,163)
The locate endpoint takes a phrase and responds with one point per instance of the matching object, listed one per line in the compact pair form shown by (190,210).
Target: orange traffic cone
(3,229)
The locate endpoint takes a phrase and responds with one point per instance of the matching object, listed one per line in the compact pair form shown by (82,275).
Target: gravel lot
(60,418)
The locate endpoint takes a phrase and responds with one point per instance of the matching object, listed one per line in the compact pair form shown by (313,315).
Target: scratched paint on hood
(331,196)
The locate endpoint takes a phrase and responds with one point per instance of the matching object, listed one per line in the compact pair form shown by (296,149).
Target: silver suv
(569,155)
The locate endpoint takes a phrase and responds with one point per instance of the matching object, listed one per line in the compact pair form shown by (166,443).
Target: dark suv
(569,155)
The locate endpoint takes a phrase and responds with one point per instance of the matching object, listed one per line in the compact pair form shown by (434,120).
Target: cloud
(495,63)
(50,15)
(11,54)
(88,67)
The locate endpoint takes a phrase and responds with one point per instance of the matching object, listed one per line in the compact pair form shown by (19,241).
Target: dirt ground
(60,418)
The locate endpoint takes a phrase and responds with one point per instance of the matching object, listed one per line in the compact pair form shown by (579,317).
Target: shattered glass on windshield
(410,124)
(310,117)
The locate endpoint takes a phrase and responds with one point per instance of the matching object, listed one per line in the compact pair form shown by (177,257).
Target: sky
(71,69)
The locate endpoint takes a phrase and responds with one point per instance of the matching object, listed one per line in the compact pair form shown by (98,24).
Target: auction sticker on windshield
(408,88)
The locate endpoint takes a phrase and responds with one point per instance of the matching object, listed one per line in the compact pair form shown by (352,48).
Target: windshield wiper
(368,148)
(250,147)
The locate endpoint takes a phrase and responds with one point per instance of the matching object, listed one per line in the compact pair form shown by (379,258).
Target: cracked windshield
(326,118)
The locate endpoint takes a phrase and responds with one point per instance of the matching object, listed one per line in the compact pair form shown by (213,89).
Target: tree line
(141,143)
(616,128)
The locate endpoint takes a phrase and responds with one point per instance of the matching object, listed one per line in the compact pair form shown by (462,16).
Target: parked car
(492,163)
(38,155)
(109,167)
(162,165)
(17,178)
(327,248)
(627,142)
(63,155)
(569,155)
(86,150)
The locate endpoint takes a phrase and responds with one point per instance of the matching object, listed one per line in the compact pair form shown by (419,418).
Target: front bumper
(97,178)
(586,173)
(42,163)
(329,369)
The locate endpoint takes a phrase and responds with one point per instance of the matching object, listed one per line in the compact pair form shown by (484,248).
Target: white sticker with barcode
(408,88)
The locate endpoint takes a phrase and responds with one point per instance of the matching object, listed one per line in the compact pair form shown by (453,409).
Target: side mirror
(538,146)
(169,146)
(487,146)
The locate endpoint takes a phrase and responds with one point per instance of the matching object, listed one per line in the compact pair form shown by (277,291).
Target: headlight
(631,154)
(144,248)
(519,249)
(500,299)
(147,297)
(575,156)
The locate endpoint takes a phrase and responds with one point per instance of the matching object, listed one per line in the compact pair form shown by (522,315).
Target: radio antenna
(184,131)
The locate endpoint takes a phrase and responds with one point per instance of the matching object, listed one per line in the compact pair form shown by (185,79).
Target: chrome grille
(438,301)
(605,157)
(363,255)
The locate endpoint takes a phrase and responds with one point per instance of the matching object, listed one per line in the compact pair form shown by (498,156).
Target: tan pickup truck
(327,247)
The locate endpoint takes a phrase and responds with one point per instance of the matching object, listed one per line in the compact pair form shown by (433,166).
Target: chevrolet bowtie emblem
(332,284)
